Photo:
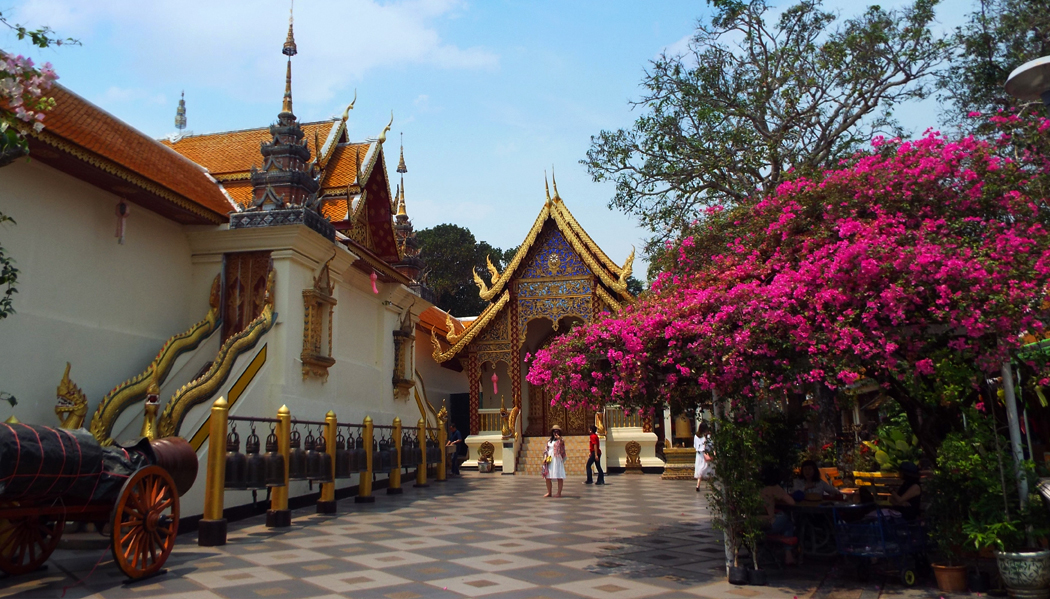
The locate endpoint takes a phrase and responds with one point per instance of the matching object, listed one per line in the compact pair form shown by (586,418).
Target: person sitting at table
(812,483)
(908,496)
(780,524)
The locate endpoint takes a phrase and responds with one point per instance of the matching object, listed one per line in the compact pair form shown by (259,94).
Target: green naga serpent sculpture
(200,390)
(135,389)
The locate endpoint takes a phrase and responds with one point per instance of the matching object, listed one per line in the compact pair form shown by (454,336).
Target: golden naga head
(479,282)
(72,403)
(493,272)
(149,417)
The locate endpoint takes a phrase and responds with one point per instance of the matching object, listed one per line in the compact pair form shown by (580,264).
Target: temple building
(271,266)
(558,278)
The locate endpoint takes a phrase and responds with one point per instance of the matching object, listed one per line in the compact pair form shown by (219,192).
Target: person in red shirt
(596,454)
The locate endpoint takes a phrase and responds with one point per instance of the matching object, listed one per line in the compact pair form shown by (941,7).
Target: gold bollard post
(442,440)
(395,471)
(326,505)
(279,516)
(364,486)
(211,530)
(421,469)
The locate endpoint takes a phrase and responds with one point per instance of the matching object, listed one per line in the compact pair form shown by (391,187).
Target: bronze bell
(255,477)
(296,458)
(360,454)
(274,462)
(321,450)
(381,460)
(344,463)
(236,463)
(313,459)
(406,451)
(351,448)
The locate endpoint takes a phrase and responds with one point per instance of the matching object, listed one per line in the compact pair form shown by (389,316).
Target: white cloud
(235,46)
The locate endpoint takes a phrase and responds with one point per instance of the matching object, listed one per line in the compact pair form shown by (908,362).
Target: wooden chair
(832,476)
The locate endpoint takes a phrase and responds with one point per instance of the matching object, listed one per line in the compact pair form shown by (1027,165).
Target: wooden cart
(143,519)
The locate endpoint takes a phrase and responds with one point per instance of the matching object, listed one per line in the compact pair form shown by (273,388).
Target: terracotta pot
(1026,574)
(950,579)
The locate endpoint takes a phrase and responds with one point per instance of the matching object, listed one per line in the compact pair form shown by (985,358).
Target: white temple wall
(438,382)
(83,297)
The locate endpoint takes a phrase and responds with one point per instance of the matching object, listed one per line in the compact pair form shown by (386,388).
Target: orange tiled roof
(433,318)
(334,210)
(85,125)
(240,191)
(342,167)
(236,151)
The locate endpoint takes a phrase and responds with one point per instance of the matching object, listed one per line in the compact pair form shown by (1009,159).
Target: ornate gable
(552,256)
(558,271)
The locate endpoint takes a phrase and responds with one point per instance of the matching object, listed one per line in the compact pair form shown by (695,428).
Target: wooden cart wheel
(145,522)
(27,542)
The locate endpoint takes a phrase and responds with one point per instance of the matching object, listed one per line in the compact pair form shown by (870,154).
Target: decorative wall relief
(404,356)
(318,311)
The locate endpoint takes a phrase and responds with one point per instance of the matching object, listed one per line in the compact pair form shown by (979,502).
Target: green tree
(451,254)
(999,36)
(755,97)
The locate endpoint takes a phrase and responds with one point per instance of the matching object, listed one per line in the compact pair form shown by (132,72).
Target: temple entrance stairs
(532,449)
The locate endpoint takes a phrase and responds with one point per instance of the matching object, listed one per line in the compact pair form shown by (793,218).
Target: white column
(1015,430)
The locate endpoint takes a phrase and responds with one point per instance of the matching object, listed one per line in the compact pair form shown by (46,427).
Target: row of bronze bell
(309,459)
(350,455)
(254,470)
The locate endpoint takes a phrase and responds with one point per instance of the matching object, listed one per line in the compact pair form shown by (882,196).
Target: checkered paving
(482,535)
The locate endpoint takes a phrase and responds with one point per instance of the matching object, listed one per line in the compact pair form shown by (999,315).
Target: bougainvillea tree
(917,264)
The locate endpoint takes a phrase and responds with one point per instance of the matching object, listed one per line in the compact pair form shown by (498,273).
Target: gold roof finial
(554,182)
(289,50)
(401,168)
(346,113)
(382,136)
(547,187)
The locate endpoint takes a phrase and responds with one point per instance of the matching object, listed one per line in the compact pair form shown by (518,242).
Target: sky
(488,94)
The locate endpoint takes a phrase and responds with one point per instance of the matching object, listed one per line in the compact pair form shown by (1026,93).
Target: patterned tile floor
(475,536)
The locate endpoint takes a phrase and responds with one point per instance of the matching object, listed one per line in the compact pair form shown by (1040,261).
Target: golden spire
(401,168)
(401,201)
(547,187)
(289,50)
(554,182)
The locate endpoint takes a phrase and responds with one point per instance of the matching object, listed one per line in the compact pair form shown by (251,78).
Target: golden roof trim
(586,239)
(233,176)
(472,331)
(131,177)
(497,285)
(618,285)
(608,299)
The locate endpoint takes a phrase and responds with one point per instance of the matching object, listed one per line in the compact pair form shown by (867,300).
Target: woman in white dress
(701,469)
(554,461)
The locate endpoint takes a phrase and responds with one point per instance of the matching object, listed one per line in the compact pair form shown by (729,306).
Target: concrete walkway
(475,536)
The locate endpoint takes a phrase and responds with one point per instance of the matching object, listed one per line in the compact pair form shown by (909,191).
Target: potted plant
(956,479)
(998,519)
(735,493)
